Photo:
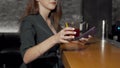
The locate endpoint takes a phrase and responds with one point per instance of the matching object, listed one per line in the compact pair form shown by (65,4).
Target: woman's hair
(32,8)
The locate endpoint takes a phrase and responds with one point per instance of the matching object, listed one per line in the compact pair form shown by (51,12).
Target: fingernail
(73,36)
(73,28)
(74,32)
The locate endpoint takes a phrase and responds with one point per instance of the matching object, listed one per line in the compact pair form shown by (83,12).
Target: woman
(39,33)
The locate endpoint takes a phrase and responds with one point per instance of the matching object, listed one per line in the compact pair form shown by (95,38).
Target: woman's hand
(85,40)
(65,35)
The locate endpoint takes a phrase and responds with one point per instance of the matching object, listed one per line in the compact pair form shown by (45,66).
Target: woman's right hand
(65,35)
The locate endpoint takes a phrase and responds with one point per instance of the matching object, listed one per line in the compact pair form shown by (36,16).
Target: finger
(64,41)
(83,39)
(69,32)
(69,28)
(69,37)
(89,36)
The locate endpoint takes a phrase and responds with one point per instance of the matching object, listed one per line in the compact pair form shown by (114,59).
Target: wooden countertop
(95,54)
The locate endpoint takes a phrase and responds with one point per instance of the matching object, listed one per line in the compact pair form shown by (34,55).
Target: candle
(103,33)
(103,29)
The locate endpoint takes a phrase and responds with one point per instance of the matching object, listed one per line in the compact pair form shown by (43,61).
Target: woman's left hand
(83,40)
(86,39)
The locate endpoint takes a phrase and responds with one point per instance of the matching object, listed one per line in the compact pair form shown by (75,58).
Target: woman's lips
(53,2)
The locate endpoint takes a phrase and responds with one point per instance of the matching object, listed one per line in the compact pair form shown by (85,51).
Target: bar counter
(95,54)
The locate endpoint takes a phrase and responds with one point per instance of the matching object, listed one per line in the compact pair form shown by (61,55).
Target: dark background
(92,11)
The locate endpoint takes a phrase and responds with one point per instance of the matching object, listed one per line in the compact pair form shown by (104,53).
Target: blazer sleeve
(26,35)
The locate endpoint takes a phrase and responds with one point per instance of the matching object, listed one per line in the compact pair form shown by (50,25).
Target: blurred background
(91,11)
(10,12)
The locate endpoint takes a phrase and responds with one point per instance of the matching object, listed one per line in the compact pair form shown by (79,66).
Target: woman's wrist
(55,39)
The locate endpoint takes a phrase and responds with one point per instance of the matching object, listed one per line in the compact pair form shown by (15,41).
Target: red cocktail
(77,30)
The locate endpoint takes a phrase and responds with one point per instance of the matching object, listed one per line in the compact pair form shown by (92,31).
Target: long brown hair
(33,8)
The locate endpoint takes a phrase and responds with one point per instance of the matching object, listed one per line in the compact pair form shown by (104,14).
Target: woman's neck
(44,12)
(44,15)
